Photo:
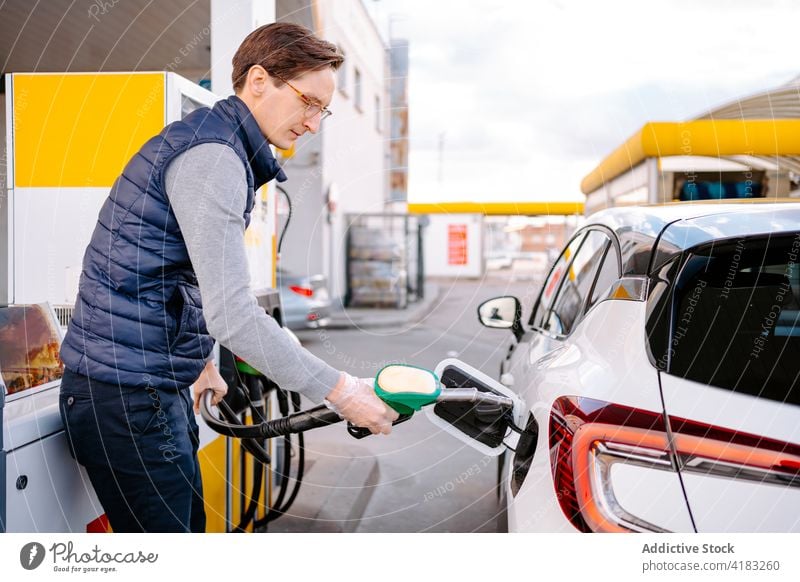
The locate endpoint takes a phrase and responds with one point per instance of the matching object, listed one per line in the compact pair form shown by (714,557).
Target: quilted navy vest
(138,319)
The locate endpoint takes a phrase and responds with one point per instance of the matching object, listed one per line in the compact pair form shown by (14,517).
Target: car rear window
(735,318)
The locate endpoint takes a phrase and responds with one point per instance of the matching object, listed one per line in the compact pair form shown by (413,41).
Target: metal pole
(441,157)
(347,266)
(228,484)
(420,262)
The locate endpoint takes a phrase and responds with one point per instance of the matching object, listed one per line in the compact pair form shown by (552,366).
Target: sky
(527,97)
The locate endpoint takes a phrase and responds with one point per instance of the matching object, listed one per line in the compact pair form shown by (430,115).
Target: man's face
(280,111)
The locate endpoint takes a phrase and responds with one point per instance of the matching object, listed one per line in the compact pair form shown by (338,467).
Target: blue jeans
(139,448)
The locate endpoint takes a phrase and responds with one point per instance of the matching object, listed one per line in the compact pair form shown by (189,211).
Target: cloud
(539,92)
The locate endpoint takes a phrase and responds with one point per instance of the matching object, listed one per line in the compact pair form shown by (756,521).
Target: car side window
(609,273)
(568,308)
(551,284)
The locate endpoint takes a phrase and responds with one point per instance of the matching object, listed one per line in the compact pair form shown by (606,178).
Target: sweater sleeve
(207,190)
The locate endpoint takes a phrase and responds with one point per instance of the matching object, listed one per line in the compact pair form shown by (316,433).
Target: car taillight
(304,291)
(587,437)
(99,525)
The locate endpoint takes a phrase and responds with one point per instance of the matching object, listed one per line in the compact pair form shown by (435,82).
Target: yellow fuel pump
(68,137)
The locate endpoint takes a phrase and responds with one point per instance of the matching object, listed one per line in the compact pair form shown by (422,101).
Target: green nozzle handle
(407,388)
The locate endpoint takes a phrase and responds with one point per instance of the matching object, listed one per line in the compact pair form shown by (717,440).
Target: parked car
(660,370)
(305,301)
(502,259)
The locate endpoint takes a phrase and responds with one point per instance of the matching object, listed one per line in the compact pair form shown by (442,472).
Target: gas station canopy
(715,138)
(497,208)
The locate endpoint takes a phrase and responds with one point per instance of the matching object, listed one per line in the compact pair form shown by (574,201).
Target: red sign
(456,244)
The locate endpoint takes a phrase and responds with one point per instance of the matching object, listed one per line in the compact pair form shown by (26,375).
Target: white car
(660,373)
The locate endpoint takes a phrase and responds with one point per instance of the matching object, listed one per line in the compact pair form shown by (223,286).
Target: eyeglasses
(312,107)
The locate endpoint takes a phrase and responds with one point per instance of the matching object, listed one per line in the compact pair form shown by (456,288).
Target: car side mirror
(502,313)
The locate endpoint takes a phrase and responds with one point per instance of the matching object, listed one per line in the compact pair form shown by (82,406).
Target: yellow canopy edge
(754,137)
(497,208)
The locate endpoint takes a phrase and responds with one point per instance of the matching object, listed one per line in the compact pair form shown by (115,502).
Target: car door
(535,342)
(731,383)
(566,295)
(560,306)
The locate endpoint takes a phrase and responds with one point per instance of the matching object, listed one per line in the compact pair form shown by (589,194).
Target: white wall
(437,246)
(231,22)
(302,251)
(354,151)
(349,153)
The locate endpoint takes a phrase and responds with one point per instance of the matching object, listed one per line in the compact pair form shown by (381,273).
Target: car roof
(686,224)
(652,219)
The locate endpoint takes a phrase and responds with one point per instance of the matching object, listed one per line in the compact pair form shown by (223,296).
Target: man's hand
(209,378)
(354,400)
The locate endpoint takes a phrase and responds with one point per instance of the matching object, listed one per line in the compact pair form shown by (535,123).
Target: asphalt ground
(419,478)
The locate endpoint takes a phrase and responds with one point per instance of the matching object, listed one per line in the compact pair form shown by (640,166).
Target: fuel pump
(251,396)
(53,193)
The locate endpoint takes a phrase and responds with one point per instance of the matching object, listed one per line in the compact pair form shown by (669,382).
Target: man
(165,274)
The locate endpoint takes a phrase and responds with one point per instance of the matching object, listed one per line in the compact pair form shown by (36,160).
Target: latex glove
(209,378)
(354,400)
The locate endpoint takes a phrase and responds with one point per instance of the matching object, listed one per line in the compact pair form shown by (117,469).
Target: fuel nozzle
(490,413)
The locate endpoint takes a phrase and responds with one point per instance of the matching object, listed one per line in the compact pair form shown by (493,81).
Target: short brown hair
(283,49)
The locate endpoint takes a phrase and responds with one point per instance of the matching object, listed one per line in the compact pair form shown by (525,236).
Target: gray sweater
(207,189)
